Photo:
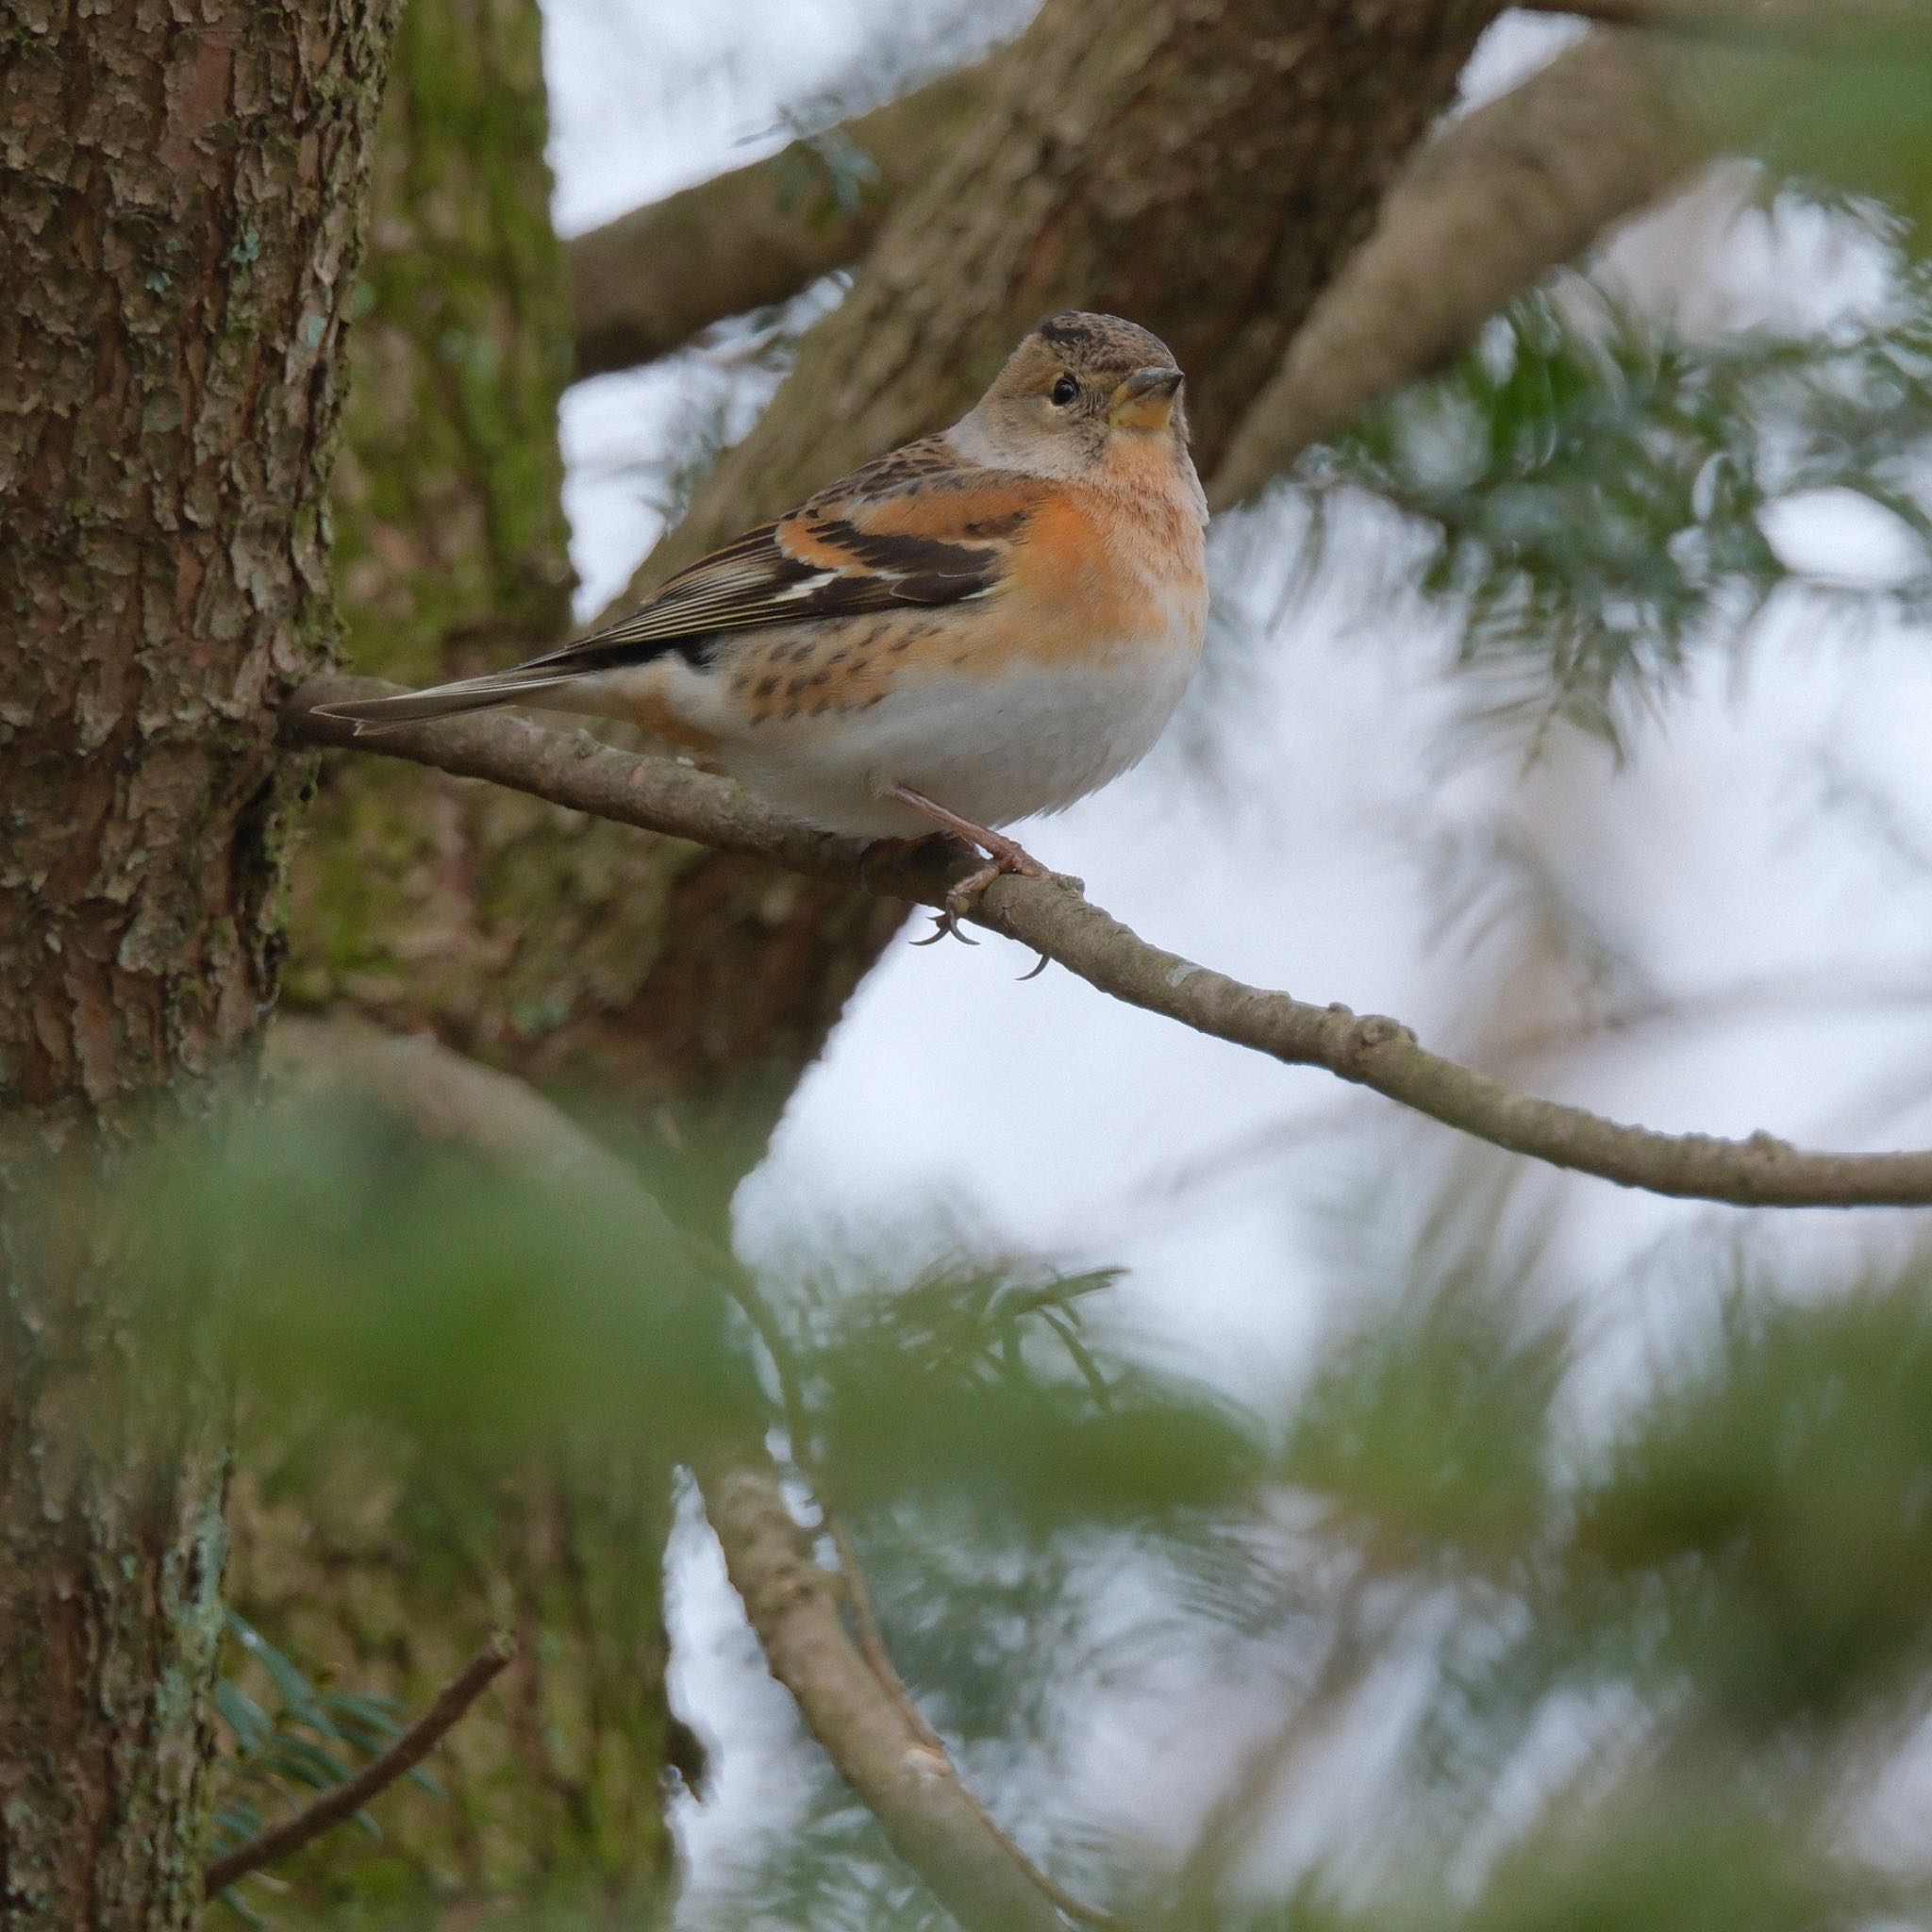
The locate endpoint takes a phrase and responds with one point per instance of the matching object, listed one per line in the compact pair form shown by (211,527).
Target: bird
(980,626)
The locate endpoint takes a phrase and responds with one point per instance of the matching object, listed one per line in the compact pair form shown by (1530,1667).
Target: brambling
(983,626)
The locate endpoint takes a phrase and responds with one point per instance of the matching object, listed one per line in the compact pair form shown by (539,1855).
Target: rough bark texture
(179,196)
(376,1562)
(1203,169)
(1482,211)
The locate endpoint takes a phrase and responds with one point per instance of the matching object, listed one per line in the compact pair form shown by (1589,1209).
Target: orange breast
(1088,574)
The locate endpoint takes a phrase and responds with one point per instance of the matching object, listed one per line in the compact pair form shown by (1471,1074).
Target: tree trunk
(514,930)
(1203,169)
(180,200)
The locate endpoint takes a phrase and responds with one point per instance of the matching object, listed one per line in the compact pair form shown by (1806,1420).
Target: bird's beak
(1145,400)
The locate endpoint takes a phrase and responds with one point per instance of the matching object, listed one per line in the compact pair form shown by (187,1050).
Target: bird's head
(1082,393)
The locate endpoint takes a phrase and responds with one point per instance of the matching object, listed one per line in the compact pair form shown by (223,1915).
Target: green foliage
(1430,1436)
(288,1747)
(1775,1505)
(1594,492)
(1711,1623)
(353,1265)
(1655,1661)
(980,1390)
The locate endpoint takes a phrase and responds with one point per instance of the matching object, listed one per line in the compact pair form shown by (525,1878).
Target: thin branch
(1053,917)
(344,1800)
(866,1629)
(1483,210)
(908,1784)
(797,1413)
(864,1718)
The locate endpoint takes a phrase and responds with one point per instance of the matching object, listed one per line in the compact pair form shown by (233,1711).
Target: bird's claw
(943,925)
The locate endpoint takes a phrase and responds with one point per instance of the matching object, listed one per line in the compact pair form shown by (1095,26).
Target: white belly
(992,750)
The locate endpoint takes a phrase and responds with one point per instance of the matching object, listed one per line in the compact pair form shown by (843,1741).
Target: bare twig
(906,1780)
(1053,917)
(866,1629)
(865,1623)
(347,1798)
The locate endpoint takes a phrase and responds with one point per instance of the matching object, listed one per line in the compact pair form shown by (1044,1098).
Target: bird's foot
(1003,855)
(1004,858)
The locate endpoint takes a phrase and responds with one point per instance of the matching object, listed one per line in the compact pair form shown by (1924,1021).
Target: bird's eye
(1064,391)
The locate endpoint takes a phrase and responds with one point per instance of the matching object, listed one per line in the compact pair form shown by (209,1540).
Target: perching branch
(1052,916)
(344,1800)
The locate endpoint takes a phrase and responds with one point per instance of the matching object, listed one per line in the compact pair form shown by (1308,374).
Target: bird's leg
(1003,855)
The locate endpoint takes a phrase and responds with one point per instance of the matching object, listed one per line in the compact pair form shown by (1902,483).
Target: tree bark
(678,985)
(179,206)
(1484,212)
(1203,169)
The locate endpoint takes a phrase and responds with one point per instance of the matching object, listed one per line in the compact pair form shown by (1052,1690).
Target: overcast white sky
(1292,831)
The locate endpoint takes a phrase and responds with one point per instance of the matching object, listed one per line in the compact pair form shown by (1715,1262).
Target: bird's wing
(919,526)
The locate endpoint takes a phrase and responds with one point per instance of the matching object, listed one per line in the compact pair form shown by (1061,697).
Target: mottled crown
(1103,344)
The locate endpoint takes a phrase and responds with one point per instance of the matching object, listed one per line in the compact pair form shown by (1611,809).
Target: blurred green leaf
(1780,1500)
(1429,1434)
(353,1265)
(981,1389)
(1680,1857)
(1597,490)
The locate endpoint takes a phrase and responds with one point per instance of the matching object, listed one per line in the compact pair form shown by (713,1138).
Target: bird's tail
(371,715)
